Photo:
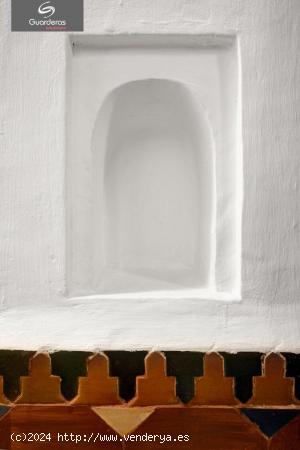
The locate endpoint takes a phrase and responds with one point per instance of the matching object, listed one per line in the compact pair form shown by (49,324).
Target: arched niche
(153,190)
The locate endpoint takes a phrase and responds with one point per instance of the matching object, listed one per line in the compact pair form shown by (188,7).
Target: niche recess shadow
(158,189)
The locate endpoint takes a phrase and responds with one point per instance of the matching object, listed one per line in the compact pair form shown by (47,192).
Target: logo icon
(46,8)
(47,15)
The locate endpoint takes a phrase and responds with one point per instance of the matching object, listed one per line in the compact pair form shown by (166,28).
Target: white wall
(34,310)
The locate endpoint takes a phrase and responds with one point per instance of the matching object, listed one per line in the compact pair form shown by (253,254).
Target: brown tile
(80,420)
(98,388)
(40,386)
(4,428)
(3,399)
(273,387)
(214,388)
(199,429)
(155,388)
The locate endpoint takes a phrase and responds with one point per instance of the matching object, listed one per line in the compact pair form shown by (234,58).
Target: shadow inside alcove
(153,184)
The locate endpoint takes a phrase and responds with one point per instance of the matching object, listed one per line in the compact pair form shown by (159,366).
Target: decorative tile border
(213,420)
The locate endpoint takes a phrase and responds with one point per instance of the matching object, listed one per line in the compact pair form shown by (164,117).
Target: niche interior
(154,179)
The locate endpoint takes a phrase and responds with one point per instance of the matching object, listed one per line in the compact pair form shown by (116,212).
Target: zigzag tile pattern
(97,417)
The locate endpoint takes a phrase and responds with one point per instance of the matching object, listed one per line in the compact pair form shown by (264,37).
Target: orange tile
(40,386)
(155,387)
(214,388)
(273,387)
(3,399)
(98,388)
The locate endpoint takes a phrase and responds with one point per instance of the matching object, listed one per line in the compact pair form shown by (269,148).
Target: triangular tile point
(270,421)
(123,420)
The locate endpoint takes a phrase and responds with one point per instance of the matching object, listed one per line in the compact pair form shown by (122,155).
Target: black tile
(69,366)
(242,366)
(293,370)
(270,420)
(184,366)
(13,365)
(127,366)
(3,410)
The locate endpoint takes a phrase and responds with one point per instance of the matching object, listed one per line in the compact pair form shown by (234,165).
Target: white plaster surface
(153,166)
(34,311)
